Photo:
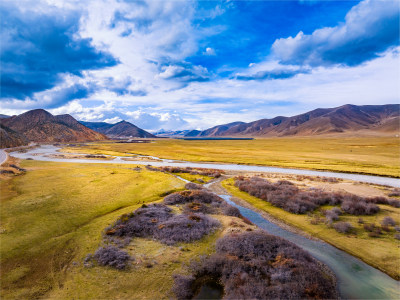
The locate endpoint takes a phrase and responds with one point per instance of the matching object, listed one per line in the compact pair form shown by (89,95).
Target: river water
(356,279)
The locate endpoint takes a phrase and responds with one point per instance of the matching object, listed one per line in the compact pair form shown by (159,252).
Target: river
(355,279)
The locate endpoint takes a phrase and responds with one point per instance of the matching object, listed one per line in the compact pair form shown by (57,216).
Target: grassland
(366,155)
(382,252)
(54,215)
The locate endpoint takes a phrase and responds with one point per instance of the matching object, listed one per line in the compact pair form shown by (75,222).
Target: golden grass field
(54,215)
(366,155)
(381,253)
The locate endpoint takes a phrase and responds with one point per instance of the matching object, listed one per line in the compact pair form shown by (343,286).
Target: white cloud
(369,28)
(209,51)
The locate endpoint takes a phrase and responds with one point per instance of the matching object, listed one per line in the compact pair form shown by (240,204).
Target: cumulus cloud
(370,28)
(209,51)
(184,72)
(38,48)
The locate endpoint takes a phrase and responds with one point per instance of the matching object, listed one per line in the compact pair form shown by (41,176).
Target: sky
(177,65)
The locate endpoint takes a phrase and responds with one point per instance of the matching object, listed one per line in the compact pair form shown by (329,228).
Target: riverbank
(381,252)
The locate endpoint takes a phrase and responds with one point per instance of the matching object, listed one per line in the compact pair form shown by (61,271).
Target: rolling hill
(344,119)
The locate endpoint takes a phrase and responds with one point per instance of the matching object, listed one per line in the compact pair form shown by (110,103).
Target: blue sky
(196,64)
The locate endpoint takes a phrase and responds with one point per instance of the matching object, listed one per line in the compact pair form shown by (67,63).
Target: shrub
(194,207)
(369,227)
(359,207)
(388,221)
(142,222)
(332,214)
(378,230)
(395,193)
(256,265)
(112,256)
(158,221)
(199,196)
(230,210)
(193,186)
(397,228)
(185,228)
(360,221)
(373,234)
(183,286)
(193,171)
(287,196)
(397,236)
(342,227)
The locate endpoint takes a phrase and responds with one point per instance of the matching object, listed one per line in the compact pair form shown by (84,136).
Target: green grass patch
(55,214)
(194,178)
(381,252)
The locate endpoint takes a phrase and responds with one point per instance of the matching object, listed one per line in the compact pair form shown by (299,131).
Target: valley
(363,155)
(83,193)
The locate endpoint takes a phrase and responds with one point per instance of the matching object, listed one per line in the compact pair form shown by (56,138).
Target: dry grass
(369,155)
(55,213)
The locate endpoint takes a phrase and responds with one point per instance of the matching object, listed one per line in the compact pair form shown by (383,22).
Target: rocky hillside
(40,126)
(9,138)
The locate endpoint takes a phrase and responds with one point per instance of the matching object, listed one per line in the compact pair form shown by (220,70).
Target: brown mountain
(9,138)
(40,126)
(343,119)
(121,129)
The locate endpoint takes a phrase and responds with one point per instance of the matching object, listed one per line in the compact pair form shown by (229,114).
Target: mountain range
(121,129)
(382,119)
(40,126)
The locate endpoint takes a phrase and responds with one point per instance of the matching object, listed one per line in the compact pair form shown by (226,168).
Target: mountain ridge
(122,129)
(342,119)
(40,126)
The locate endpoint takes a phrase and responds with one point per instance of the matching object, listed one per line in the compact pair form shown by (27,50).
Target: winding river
(356,279)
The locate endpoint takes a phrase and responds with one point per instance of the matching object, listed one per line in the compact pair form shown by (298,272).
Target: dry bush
(158,221)
(373,234)
(202,201)
(193,186)
(394,193)
(369,227)
(332,214)
(256,265)
(287,196)
(388,221)
(342,227)
(199,196)
(183,286)
(112,256)
(193,171)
